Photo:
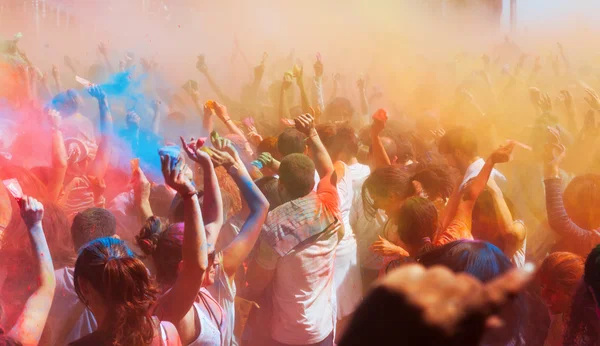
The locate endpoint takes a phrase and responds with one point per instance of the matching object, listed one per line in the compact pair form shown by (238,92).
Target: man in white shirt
(459,147)
(297,249)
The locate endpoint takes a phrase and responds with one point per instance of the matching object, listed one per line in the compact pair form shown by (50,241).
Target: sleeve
(328,194)
(456,230)
(266,256)
(559,220)
(317,94)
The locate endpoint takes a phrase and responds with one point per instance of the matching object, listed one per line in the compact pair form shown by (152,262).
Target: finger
(186,147)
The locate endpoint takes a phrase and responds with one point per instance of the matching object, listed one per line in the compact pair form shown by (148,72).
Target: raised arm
(141,195)
(381,157)
(101,161)
(59,157)
(237,251)
(305,124)
(513,233)
(104,51)
(212,204)
(317,91)
(222,113)
(557,216)
(299,75)
(175,303)
(361,84)
(462,218)
(203,68)
(56,77)
(284,108)
(156,118)
(30,324)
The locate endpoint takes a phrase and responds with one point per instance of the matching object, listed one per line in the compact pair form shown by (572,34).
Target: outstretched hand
(175,176)
(96,92)
(592,99)
(503,154)
(379,120)
(32,211)
(305,123)
(195,151)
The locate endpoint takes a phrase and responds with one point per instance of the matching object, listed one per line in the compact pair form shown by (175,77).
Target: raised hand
(201,65)
(220,111)
(96,92)
(156,104)
(266,159)
(554,150)
(318,67)
(175,177)
(503,153)
(298,72)
(32,211)
(305,123)
(288,77)
(379,119)
(566,98)
(545,103)
(141,186)
(195,151)
(361,84)
(592,99)
(222,158)
(102,48)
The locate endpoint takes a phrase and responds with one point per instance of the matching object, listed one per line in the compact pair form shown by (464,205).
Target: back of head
(562,269)
(436,179)
(417,223)
(268,187)
(461,139)
(339,109)
(297,175)
(291,141)
(480,259)
(269,145)
(582,201)
(124,286)
(385,182)
(327,132)
(345,142)
(91,224)
(164,246)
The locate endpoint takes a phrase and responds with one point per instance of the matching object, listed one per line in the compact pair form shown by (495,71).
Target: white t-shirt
(476,167)
(223,291)
(64,304)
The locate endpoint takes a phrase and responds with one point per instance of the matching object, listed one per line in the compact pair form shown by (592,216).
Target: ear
(116,236)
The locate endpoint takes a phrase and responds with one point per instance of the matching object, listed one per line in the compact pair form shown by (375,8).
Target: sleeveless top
(210,334)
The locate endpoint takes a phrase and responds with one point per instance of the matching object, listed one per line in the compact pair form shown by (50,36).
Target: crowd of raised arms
(311,210)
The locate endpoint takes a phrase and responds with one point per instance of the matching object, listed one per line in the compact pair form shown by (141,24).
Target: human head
(291,141)
(109,278)
(91,224)
(582,200)
(327,133)
(344,144)
(459,147)
(435,180)
(165,248)
(67,102)
(386,189)
(485,219)
(559,276)
(417,223)
(269,145)
(339,109)
(296,176)
(591,276)
(132,120)
(485,262)
(268,186)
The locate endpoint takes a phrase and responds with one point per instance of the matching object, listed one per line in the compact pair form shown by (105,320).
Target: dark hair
(461,139)
(8,341)
(436,179)
(389,146)
(591,274)
(124,284)
(163,246)
(582,200)
(339,109)
(563,269)
(386,181)
(417,223)
(345,141)
(297,174)
(291,141)
(485,262)
(91,224)
(327,133)
(268,186)
(485,217)
(269,145)
(581,322)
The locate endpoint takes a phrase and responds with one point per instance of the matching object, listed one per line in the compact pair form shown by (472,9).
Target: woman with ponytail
(210,321)
(118,289)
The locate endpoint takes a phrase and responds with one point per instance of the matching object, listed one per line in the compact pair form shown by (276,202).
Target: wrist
(190,194)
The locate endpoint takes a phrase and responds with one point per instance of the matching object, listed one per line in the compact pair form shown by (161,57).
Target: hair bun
(147,240)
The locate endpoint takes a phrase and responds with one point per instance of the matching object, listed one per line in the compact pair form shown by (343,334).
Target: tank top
(210,334)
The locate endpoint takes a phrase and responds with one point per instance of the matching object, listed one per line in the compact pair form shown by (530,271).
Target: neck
(101,315)
(469,163)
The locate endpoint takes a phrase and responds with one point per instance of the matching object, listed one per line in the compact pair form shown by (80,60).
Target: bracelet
(228,119)
(190,195)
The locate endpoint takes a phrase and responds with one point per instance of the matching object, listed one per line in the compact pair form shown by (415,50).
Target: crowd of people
(301,212)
